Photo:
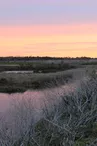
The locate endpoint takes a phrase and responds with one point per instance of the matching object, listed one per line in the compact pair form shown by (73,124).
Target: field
(21,74)
(59,108)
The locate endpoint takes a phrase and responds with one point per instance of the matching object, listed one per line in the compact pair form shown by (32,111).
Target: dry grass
(70,120)
(23,81)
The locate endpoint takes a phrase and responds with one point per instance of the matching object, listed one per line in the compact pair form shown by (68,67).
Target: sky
(59,28)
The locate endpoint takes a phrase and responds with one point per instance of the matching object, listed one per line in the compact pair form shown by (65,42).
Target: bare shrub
(72,118)
(64,121)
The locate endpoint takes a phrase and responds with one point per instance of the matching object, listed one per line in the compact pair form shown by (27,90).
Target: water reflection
(38,98)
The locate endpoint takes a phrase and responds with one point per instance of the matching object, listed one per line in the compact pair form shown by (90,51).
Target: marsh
(35,106)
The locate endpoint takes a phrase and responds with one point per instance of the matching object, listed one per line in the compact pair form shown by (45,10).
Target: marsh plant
(70,121)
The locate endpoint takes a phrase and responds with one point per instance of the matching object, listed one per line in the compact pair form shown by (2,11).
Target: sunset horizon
(46,28)
(48,73)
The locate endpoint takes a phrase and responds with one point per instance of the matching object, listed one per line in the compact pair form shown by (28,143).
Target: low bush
(70,121)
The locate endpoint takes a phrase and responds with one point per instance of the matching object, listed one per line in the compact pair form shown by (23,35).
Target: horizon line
(47,57)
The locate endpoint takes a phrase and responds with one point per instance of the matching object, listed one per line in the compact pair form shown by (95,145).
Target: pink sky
(39,30)
(48,28)
(49,40)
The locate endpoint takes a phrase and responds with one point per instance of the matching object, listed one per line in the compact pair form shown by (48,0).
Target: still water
(6,100)
(38,98)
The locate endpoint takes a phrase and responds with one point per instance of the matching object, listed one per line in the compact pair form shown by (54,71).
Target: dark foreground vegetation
(71,119)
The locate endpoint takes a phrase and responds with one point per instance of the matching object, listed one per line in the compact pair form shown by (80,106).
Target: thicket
(71,120)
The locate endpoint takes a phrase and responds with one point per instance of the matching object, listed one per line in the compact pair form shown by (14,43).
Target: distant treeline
(30,58)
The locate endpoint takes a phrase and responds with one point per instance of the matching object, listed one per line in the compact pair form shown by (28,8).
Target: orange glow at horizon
(55,40)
